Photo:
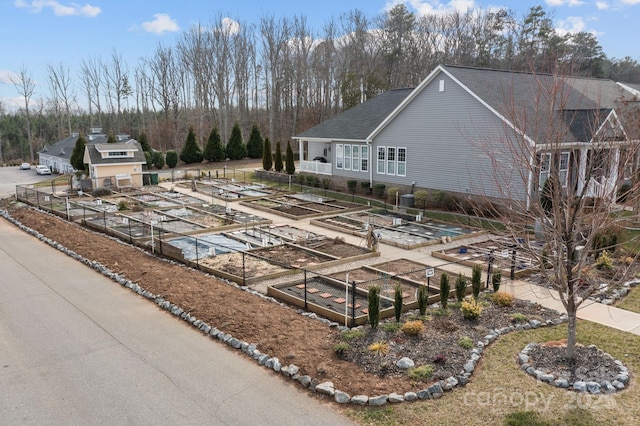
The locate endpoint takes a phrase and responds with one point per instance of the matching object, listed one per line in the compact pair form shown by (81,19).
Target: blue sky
(38,33)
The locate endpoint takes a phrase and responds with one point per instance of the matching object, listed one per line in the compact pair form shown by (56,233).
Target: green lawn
(499,391)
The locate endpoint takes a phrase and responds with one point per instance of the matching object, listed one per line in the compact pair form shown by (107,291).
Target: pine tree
(277,163)
(254,146)
(267,156)
(77,156)
(236,150)
(111,138)
(144,142)
(191,153)
(157,159)
(290,166)
(172,159)
(213,150)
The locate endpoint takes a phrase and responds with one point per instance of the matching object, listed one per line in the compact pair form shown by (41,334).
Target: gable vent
(441,88)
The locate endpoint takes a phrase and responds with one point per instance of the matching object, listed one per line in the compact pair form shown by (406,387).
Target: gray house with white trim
(462,128)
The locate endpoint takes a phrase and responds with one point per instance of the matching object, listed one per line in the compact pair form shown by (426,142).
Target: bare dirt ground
(277,330)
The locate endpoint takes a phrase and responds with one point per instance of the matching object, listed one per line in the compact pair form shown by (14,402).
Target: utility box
(406,200)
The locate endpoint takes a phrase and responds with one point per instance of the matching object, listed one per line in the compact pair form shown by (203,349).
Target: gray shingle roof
(96,157)
(62,149)
(358,122)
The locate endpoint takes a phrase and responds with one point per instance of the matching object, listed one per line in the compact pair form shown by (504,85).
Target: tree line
(284,76)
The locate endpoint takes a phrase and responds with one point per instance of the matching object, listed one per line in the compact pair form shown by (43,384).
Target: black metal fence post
(197,256)
(130,237)
(305,289)
(489,268)
(104,220)
(513,263)
(244,279)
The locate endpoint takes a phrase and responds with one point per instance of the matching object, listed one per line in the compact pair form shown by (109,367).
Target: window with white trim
(381,159)
(339,156)
(402,161)
(545,166)
(563,170)
(391,160)
(355,155)
(347,157)
(364,155)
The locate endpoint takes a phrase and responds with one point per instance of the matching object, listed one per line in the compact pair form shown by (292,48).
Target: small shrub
(391,194)
(309,179)
(391,327)
(470,308)
(341,348)
(465,342)
(423,299)
(422,373)
(413,328)
(364,186)
(171,158)
(374,306)
(379,188)
(448,326)
(461,287)
(604,262)
(439,359)
(496,278)
(444,290)
(353,334)
(627,260)
(397,304)
(518,317)
(351,185)
(442,312)
(503,299)
(476,280)
(326,183)
(101,192)
(122,205)
(380,348)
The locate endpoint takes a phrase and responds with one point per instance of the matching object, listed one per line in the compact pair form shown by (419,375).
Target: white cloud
(571,25)
(630,1)
(602,5)
(7,77)
(229,26)
(570,3)
(433,7)
(161,23)
(71,9)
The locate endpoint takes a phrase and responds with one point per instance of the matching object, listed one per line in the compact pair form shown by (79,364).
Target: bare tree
(62,91)
(91,77)
(25,85)
(569,147)
(118,90)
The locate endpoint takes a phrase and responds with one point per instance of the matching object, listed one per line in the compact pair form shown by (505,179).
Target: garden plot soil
(291,256)
(278,330)
(335,247)
(232,264)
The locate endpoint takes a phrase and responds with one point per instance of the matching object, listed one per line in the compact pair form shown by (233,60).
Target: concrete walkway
(592,311)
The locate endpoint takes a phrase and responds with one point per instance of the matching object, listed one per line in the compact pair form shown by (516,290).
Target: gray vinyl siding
(347,173)
(446,135)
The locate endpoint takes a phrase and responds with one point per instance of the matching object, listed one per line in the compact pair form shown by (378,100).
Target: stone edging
(434,391)
(553,379)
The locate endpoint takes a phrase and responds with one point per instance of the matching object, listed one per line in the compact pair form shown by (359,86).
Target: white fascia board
(612,116)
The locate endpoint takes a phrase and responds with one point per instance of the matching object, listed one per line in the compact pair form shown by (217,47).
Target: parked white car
(25,166)
(43,170)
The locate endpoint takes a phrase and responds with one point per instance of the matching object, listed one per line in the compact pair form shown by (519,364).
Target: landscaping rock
(360,400)
(305,380)
(405,363)
(395,397)
(410,396)
(378,400)
(593,387)
(341,397)
(561,383)
(580,386)
(435,390)
(326,388)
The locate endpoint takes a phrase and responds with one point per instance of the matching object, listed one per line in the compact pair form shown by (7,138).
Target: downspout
(370,164)
(530,180)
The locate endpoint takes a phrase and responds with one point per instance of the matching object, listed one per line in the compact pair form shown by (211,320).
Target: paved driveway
(77,348)
(12,176)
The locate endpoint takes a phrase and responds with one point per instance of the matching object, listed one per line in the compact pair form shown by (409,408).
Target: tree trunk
(571,331)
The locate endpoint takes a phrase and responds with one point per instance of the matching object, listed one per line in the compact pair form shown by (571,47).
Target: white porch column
(300,152)
(582,169)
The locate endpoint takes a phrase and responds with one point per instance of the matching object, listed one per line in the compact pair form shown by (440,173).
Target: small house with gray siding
(478,132)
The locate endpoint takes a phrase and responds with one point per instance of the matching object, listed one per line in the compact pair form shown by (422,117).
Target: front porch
(315,157)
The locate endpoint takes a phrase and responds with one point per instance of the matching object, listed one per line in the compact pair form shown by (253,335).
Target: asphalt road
(77,348)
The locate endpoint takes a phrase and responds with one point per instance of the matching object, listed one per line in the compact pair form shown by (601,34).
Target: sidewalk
(592,311)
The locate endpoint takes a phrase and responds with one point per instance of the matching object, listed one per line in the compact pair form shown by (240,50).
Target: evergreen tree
(289,164)
(111,138)
(172,158)
(149,158)
(191,153)
(277,163)
(213,150)
(77,156)
(254,146)
(267,156)
(143,140)
(236,150)
(157,159)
